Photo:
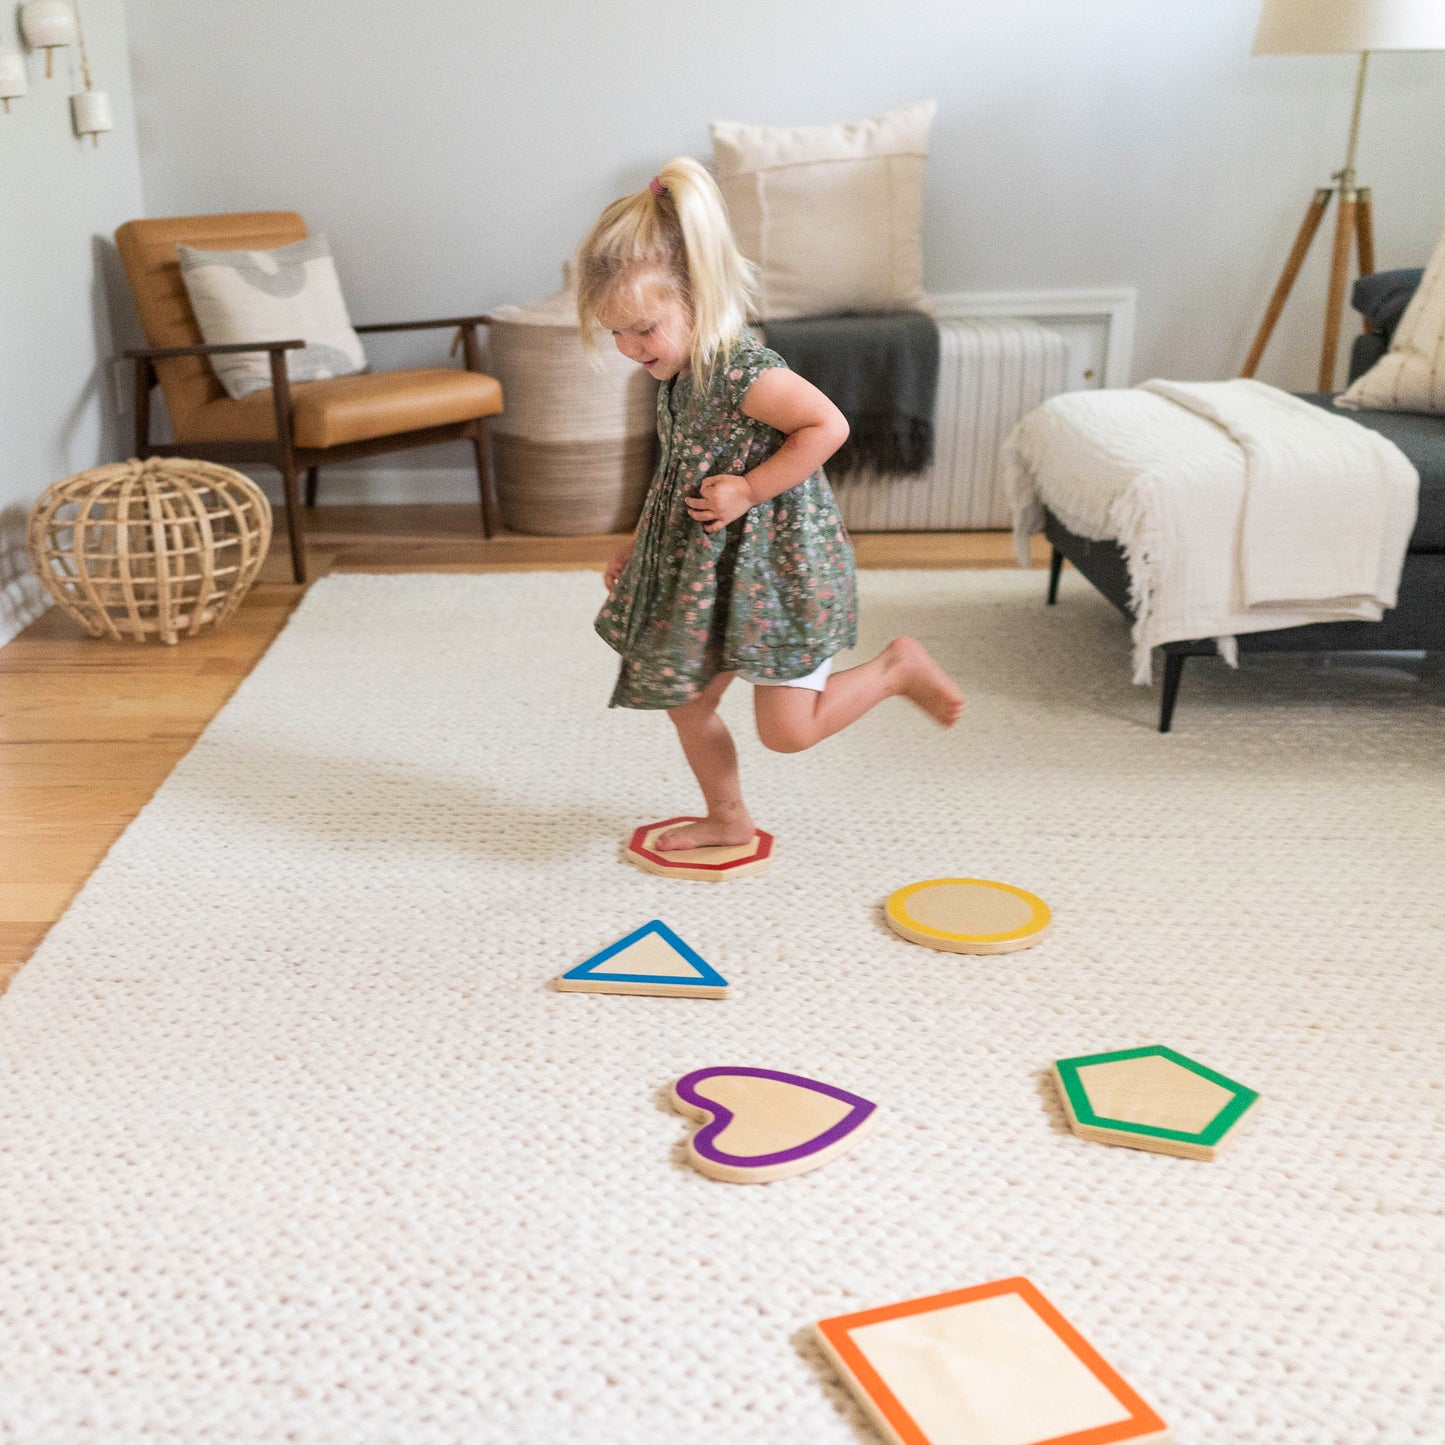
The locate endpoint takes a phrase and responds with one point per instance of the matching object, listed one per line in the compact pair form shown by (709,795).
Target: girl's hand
(616,565)
(722,500)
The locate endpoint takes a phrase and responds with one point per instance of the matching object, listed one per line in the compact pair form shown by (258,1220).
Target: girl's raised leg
(708,746)
(791,719)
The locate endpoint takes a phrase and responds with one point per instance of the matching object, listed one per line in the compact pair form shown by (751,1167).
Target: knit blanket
(1239,507)
(881,372)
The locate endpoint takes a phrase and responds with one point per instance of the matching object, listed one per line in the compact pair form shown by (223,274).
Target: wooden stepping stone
(1151,1098)
(968,915)
(718,864)
(760,1124)
(650,960)
(993,1365)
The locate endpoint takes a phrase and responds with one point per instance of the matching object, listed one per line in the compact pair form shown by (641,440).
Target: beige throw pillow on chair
(1410,376)
(291,292)
(831,215)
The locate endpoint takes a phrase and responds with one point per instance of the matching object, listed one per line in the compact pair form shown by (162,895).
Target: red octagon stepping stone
(715,863)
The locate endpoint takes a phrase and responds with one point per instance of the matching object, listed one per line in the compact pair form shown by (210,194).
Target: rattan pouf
(157,548)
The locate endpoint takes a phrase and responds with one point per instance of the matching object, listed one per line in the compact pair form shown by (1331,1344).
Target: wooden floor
(90,729)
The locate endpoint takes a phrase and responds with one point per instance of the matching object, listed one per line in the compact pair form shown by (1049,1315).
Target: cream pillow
(831,215)
(1410,376)
(289,292)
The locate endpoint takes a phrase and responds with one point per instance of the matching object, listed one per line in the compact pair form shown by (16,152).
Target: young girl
(741,566)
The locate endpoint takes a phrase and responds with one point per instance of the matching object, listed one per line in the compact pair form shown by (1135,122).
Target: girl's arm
(813,429)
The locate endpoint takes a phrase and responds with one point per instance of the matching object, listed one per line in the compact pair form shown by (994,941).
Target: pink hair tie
(656,187)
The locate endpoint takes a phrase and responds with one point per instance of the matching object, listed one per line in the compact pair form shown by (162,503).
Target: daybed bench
(1416,623)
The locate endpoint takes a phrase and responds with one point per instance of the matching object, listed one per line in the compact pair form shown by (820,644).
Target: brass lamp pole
(1297,27)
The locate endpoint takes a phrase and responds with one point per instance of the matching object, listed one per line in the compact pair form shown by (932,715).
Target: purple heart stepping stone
(760,1124)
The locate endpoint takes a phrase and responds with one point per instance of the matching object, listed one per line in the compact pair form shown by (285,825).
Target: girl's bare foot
(709,833)
(916,676)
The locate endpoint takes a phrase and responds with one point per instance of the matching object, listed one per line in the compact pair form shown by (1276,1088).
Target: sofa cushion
(1366,349)
(1422,439)
(1381,298)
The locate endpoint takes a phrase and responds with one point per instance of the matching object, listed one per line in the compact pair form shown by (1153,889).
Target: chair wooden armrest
(145,358)
(163,353)
(466,329)
(425,325)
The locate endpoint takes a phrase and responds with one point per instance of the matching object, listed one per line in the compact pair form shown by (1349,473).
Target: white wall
(455,151)
(60,200)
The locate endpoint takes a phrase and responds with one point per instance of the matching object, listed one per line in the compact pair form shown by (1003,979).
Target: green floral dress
(771,594)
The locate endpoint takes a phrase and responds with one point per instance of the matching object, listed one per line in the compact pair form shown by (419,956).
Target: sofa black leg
(1056,566)
(1173,672)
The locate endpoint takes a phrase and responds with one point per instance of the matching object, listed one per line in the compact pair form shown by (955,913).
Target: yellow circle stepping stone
(968,915)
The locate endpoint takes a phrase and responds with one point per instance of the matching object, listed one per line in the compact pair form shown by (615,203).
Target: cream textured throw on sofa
(1239,507)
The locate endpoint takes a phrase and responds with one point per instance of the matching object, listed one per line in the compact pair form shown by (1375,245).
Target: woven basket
(574,449)
(149,549)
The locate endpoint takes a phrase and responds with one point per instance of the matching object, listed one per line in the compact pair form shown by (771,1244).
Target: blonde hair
(674,231)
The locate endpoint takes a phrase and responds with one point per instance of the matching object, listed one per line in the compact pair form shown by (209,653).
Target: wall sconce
(47,25)
(90,110)
(92,114)
(13,80)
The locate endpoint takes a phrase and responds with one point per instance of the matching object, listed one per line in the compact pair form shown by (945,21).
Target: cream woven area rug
(299,1146)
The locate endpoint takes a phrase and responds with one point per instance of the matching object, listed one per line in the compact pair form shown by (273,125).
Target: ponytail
(675,231)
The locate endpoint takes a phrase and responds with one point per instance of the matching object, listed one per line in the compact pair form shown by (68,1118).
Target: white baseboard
(386,484)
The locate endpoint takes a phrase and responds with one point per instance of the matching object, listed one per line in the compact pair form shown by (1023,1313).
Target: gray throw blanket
(881,372)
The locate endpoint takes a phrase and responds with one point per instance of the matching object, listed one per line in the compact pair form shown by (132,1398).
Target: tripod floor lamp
(1315,27)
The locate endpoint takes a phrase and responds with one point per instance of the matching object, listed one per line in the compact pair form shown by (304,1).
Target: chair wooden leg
(287,464)
(1056,566)
(313,474)
(491,512)
(144,378)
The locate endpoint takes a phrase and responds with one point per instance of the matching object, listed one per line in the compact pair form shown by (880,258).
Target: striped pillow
(1411,375)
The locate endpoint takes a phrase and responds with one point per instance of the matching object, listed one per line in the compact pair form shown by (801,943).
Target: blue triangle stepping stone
(651,960)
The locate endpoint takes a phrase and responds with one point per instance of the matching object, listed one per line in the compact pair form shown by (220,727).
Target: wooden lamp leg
(1313,216)
(1339,276)
(1365,230)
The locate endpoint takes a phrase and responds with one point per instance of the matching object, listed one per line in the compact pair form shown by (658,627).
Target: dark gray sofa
(1416,623)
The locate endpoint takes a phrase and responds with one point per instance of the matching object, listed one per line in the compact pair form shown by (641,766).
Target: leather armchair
(293,427)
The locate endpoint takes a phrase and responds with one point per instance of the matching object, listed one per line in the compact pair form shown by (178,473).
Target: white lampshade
(13,80)
(1318,27)
(47,23)
(91,112)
